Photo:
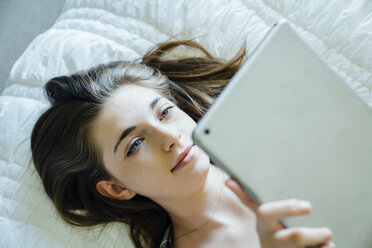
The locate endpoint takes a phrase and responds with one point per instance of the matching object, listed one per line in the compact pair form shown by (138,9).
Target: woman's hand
(272,234)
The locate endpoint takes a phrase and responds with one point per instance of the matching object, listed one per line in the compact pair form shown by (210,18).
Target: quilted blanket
(90,32)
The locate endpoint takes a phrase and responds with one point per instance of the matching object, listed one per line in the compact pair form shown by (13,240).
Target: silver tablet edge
(198,130)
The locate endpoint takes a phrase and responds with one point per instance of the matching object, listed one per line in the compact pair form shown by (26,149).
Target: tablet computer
(287,126)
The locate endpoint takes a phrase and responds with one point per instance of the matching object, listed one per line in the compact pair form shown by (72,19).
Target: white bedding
(90,32)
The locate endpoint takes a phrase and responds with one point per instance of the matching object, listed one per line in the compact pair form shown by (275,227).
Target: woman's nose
(171,141)
(168,139)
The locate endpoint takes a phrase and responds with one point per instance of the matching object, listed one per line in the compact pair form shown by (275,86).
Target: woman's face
(142,136)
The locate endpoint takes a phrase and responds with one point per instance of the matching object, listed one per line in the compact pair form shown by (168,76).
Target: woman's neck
(200,207)
(211,206)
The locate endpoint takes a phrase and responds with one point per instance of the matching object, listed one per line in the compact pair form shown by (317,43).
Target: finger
(328,245)
(283,209)
(302,236)
(239,191)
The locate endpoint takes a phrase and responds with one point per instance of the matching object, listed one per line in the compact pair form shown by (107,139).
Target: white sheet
(89,32)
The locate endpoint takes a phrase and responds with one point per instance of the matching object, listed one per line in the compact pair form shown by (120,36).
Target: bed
(89,32)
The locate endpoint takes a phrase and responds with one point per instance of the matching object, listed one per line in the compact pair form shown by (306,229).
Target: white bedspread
(90,32)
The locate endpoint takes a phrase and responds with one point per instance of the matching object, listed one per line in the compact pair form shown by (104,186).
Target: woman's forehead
(127,105)
(132,94)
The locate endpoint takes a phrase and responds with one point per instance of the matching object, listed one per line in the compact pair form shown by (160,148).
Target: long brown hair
(70,165)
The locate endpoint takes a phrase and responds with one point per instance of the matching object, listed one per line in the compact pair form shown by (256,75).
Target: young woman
(116,146)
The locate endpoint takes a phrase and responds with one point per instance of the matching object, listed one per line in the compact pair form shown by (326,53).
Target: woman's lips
(185,158)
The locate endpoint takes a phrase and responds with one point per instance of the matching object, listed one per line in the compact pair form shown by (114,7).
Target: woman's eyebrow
(154,102)
(127,131)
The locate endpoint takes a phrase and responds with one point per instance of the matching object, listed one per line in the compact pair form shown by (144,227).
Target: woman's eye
(134,147)
(165,112)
